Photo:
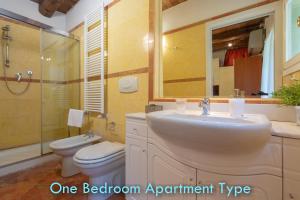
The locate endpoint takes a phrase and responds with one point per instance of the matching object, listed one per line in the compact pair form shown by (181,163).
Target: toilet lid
(99,151)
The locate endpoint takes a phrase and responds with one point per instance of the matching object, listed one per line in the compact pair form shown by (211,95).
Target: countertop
(140,116)
(280,129)
(286,129)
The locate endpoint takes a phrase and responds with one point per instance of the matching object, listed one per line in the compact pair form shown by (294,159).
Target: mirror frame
(155,54)
(292,65)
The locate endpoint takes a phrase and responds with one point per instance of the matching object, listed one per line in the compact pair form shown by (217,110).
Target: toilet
(66,148)
(103,163)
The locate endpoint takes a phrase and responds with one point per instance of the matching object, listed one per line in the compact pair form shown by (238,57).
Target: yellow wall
(20,115)
(183,58)
(128,26)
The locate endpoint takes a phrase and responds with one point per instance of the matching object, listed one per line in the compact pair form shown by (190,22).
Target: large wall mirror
(208,48)
(292,36)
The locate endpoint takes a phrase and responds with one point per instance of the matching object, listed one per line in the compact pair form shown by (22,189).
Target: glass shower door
(60,64)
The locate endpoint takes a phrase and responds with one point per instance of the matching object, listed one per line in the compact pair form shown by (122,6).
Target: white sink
(217,132)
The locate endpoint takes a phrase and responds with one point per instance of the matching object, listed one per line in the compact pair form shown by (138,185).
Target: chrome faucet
(89,134)
(205,105)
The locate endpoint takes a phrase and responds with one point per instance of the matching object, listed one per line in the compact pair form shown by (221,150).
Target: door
(136,166)
(263,187)
(247,74)
(166,171)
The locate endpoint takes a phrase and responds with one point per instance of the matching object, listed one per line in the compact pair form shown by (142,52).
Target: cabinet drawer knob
(291,196)
(191,179)
(144,150)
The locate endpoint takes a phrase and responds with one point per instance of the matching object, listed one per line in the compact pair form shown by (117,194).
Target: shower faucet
(19,76)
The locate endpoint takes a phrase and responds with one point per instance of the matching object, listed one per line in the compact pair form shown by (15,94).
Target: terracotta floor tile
(33,184)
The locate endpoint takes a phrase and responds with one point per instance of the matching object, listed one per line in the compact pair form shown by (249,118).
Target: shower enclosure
(39,83)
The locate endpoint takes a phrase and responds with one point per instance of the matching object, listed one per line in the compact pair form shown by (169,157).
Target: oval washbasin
(217,132)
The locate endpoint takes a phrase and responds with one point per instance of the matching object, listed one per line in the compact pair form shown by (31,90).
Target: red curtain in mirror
(233,54)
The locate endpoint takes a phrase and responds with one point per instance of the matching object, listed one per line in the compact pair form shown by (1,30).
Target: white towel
(75,118)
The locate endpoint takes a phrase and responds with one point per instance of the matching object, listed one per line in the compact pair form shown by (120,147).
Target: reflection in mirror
(243,58)
(242,51)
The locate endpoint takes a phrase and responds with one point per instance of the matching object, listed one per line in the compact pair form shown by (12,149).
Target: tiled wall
(20,115)
(184,62)
(127,50)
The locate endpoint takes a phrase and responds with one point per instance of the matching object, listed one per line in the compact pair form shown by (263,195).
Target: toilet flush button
(128,84)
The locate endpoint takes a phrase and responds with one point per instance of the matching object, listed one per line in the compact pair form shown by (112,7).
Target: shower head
(6,28)
(5,35)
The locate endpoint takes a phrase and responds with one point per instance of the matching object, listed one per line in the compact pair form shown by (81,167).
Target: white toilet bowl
(66,148)
(103,163)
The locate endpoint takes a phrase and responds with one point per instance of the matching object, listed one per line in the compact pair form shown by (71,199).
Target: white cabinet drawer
(136,129)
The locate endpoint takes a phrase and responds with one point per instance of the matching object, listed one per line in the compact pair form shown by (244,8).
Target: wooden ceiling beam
(254,22)
(238,37)
(67,5)
(234,32)
(166,4)
(49,7)
(235,44)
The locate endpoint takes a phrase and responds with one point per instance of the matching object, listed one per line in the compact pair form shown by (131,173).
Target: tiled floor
(34,184)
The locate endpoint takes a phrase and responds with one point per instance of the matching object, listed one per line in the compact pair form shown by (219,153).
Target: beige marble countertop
(286,129)
(141,116)
(280,129)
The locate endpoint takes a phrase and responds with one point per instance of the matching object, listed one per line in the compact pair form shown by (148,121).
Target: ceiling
(49,7)
(237,34)
(171,3)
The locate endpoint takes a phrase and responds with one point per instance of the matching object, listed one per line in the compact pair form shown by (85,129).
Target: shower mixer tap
(5,45)
(19,76)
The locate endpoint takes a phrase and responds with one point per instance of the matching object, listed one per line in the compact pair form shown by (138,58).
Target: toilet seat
(99,153)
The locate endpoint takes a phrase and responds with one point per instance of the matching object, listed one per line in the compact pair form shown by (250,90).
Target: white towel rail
(94,61)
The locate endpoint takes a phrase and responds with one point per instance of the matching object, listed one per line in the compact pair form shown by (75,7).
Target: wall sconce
(298,21)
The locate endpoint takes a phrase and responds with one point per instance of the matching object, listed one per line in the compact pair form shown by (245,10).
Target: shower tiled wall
(20,122)
(41,113)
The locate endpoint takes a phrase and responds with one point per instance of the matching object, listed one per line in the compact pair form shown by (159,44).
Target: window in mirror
(293,28)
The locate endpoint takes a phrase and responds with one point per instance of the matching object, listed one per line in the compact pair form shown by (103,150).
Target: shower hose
(5,45)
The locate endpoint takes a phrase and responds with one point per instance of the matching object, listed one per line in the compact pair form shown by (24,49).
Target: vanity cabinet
(152,160)
(291,169)
(136,157)
(164,170)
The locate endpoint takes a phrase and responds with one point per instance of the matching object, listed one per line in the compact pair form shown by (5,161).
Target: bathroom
(59,60)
